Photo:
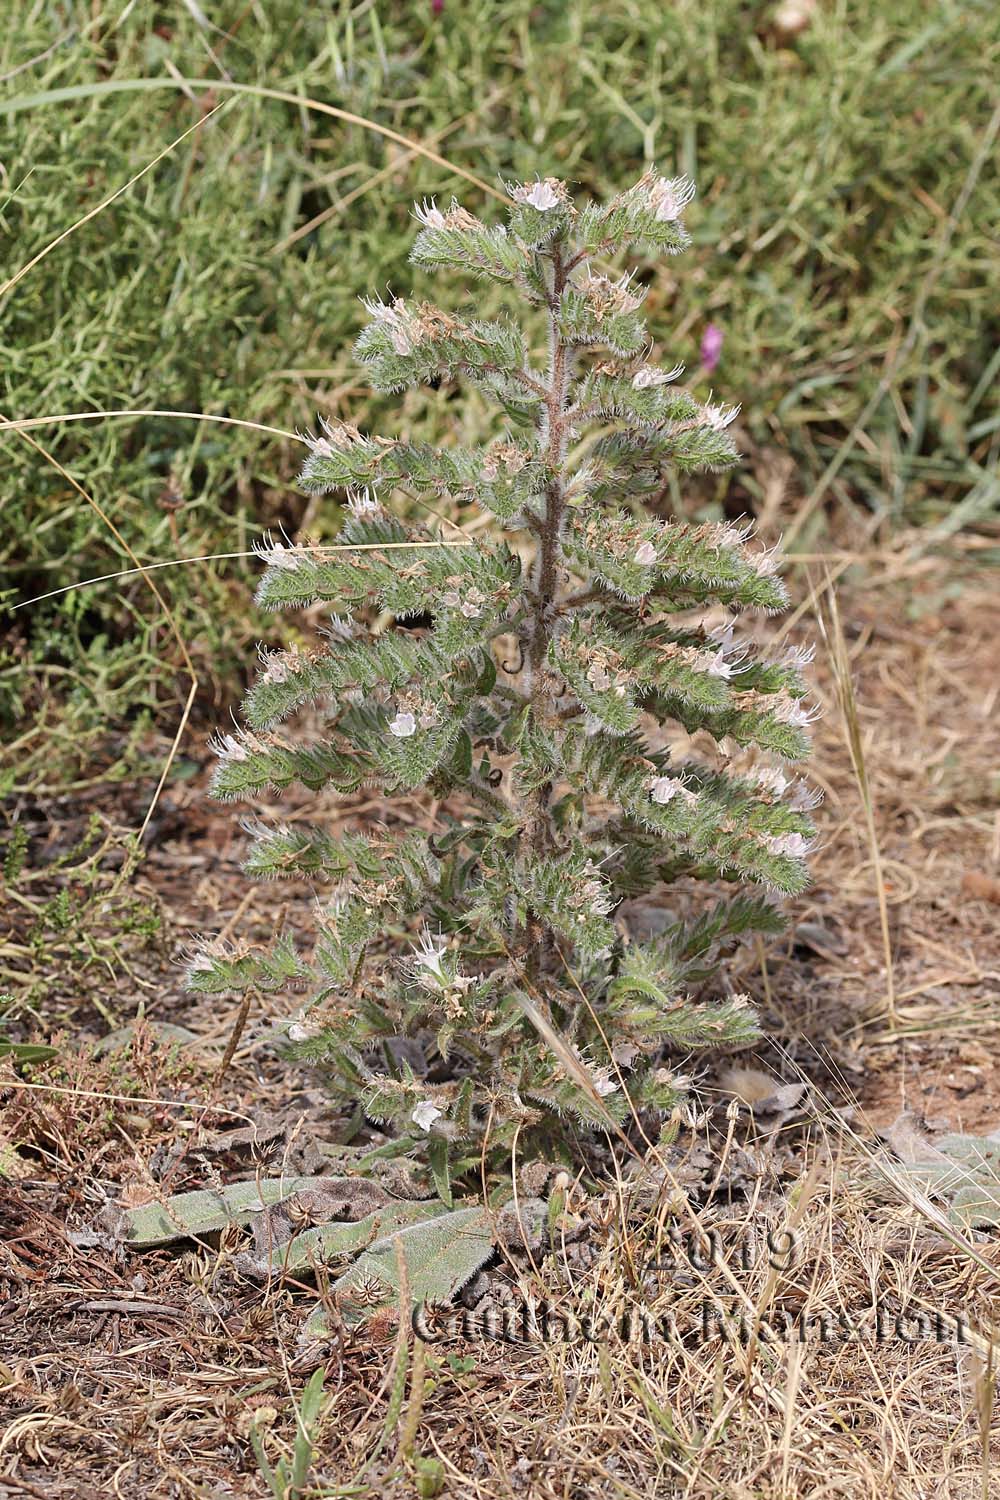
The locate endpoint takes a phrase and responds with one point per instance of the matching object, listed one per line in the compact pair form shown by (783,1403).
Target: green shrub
(829,166)
(526,683)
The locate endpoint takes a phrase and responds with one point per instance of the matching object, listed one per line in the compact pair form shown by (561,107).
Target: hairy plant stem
(538,832)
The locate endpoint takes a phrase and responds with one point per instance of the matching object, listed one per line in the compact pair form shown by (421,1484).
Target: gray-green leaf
(963,1170)
(440,1255)
(325,1242)
(207,1210)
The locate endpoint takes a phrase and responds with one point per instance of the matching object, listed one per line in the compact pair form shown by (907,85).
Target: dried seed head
(368,1291)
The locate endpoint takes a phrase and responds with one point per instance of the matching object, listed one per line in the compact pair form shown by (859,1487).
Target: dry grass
(723,1417)
(142,1375)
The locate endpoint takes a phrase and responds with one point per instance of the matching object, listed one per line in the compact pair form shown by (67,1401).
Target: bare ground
(142,1374)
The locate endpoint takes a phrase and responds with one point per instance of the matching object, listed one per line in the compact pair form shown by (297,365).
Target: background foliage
(227,280)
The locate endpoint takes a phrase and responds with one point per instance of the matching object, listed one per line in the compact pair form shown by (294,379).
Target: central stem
(552,429)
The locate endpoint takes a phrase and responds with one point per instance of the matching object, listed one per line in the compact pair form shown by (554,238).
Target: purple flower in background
(711,347)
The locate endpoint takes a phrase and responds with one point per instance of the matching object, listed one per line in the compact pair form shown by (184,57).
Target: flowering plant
(528,678)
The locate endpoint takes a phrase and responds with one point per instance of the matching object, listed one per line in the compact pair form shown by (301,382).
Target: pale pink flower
(540,195)
(668,197)
(428,214)
(711,347)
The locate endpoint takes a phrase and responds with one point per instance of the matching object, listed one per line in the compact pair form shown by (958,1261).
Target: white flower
(338,628)
(425,1114)
(719,667)
(227,747)
(201,964)
(772,779)
(666,788)
(403,725)
(669,197)
(276,667)
(649,375)
(791,844)
(429,214)
(679,1081)
(540,195)
(427,956)
(472,605)
(363,503)
(794,712)
(302,1031)
(734,536)
(798,656)
(645,554)
(597,898)
(604,1085)
(320,445)
(277,555)
(724,638)
(766,563)
(719,417)
(403,329)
